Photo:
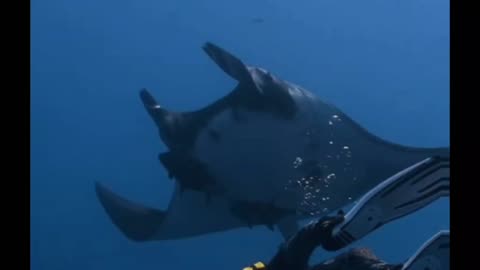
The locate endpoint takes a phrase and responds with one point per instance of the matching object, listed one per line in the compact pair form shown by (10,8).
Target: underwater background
(384,63)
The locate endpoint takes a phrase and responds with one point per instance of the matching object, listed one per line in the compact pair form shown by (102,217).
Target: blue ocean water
(385,63)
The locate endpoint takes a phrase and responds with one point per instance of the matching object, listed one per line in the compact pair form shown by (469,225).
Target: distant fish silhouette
(258,20)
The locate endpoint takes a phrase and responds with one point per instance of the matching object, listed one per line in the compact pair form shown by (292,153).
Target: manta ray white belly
(261,158)
(268,140)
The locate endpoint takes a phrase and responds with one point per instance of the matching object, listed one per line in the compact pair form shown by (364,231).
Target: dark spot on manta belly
(237,117)
(313,146)
(315,172)
(188,171)
(312,169)
(214,135)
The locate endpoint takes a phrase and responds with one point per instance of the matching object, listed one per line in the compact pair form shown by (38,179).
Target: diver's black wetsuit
(402,194)
(295,253)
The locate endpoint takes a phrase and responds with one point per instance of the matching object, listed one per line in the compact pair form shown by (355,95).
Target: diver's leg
(358,259)
(295,253)
(400,195)
(433,255)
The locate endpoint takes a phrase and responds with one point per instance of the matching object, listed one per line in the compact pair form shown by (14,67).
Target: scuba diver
(400,195)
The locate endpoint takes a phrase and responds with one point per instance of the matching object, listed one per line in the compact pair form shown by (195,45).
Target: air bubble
(298,162)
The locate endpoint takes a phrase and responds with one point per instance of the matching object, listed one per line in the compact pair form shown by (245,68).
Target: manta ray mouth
(257,91)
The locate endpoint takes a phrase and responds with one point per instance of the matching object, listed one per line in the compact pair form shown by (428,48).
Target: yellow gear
(256,266)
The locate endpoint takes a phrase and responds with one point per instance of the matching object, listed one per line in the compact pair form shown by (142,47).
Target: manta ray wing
(187,216)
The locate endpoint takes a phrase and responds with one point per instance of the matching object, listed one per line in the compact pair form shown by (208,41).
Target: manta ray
(267,140)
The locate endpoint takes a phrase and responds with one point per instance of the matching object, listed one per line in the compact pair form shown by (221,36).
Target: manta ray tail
(139,223)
